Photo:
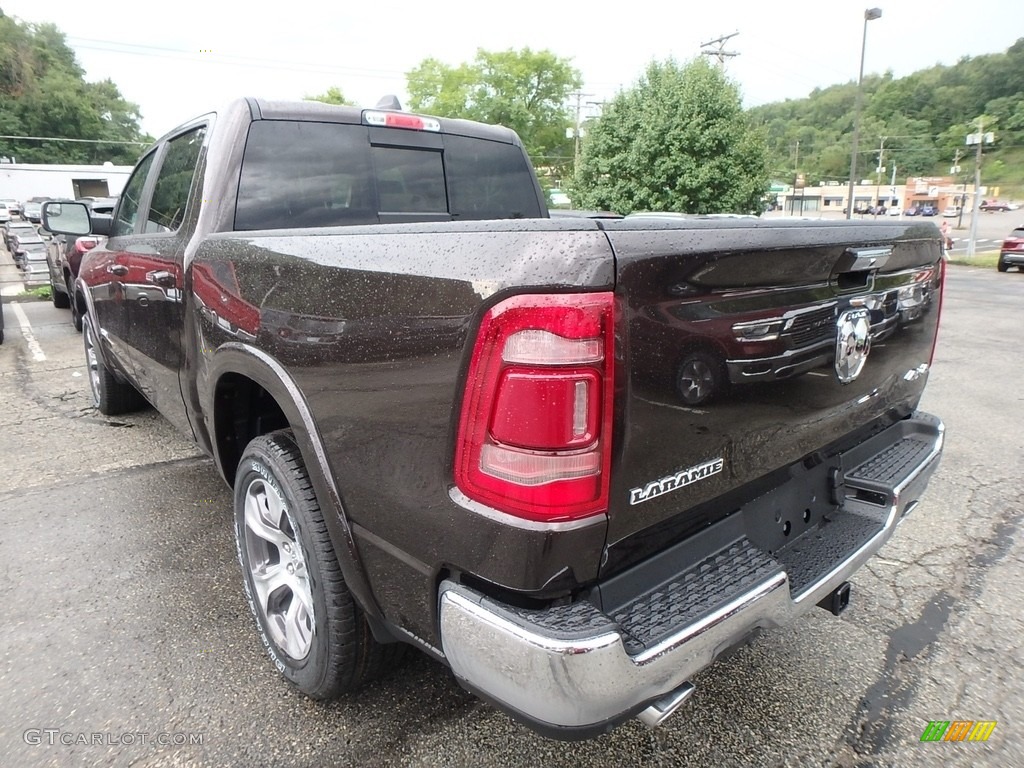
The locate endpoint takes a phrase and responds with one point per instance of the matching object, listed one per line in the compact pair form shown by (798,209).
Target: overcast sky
(179,59)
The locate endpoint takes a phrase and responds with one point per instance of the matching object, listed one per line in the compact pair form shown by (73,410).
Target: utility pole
(978,138)
(869,15)
(954,171)
(892,188)
(878,172)
(576,133)
(796,176)
(721,54)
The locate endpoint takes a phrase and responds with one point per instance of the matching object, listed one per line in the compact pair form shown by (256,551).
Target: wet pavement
(128,642)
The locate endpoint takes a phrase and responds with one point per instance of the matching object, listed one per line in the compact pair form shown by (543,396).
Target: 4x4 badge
(853,342)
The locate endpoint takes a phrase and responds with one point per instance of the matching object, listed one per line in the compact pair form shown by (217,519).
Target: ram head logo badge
(853,342)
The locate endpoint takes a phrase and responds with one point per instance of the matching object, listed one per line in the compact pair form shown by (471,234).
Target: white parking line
(26,331)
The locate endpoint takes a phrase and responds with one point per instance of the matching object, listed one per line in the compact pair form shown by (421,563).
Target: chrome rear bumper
(566,670)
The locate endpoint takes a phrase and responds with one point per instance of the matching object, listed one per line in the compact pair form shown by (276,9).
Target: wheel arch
(704,344)
(242,376)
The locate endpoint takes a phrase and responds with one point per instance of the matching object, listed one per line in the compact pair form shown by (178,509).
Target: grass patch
(42,293)
(989,259)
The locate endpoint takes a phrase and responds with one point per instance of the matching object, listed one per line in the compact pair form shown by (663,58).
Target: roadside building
(23,181)
(941,192)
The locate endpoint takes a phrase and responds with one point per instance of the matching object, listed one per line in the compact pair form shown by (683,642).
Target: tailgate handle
(861,259)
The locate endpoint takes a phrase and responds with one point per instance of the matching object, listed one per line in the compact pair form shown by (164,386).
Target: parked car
(22,242)
(13,206)
(33,211)
(12,229)
(952,212)
(30,257)
(994,206)
(64,256)
(928,210)
(5,213)
(34,271)
(1011,254)
(558,197)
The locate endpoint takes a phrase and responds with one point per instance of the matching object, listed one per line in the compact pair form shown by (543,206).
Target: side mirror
(66,218)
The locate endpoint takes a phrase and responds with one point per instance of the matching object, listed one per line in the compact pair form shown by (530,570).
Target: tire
(699,378)
(76,314)
(1002,266)
(313,630)
(61,300)
(110,395)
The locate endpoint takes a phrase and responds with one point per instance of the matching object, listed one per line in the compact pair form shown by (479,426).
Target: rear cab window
(299,173)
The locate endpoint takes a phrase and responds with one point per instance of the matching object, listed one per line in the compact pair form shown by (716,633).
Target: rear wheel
(700,378)
(60,298)
(76,313)
(110,395)
(1002,266)
(315,633)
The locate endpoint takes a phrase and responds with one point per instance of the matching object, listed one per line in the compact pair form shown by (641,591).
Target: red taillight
(534,437)
(84,244)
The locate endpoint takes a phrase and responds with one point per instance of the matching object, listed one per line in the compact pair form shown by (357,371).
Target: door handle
(117,269)
(160,277)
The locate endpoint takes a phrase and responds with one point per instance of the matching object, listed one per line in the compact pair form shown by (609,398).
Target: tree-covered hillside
(43,93)
(923,118)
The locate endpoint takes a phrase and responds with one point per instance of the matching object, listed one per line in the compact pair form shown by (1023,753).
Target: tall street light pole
(869,15)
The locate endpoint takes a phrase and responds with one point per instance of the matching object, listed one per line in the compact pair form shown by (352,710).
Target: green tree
(43,93)
(678,140)
(525,90)
(925,117)
(332,95)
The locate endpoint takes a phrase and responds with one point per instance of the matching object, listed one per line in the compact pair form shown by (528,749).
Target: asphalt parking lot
(127,640)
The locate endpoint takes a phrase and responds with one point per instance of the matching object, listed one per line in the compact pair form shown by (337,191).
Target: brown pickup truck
(454,423)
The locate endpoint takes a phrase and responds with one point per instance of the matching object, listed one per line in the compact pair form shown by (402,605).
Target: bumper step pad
(696,592)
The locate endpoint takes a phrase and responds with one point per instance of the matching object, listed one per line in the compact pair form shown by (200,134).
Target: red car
(64,256)
(1012,252)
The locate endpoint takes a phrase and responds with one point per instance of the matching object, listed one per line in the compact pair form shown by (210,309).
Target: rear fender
(245,360)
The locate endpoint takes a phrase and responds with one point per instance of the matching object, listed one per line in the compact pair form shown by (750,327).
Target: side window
(128,209)
(170,194)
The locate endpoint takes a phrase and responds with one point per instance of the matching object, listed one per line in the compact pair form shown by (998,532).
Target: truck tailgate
(752,346)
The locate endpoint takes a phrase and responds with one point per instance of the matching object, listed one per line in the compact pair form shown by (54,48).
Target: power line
(83,141)
(131,49)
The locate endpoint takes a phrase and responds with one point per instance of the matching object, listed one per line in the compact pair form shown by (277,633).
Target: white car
(5,215)
(558,197)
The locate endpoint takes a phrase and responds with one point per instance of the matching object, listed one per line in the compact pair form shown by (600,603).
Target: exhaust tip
(663,708)
(837,601)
